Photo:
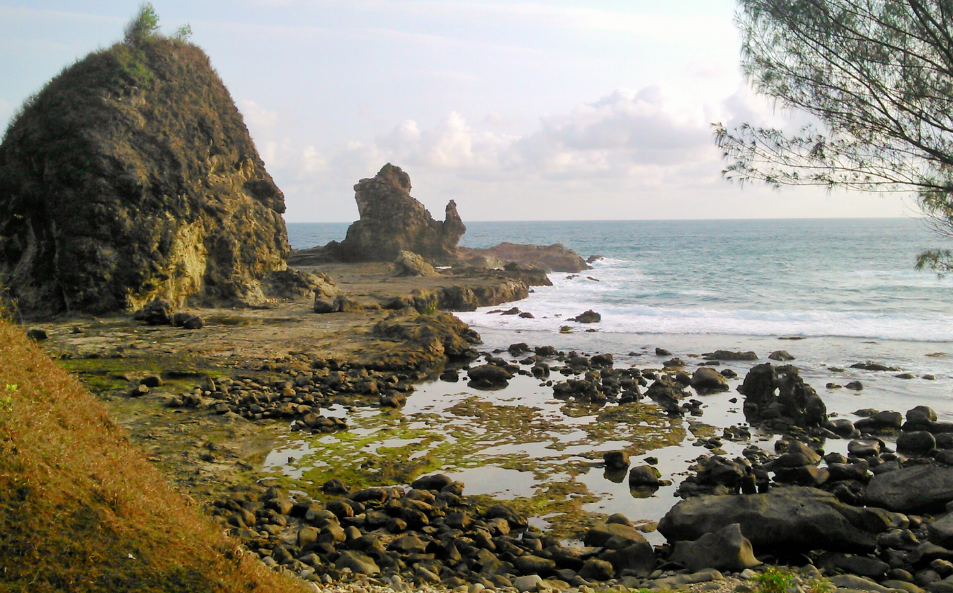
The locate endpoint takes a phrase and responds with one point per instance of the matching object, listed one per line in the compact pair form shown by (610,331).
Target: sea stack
(131,176)
(391,221)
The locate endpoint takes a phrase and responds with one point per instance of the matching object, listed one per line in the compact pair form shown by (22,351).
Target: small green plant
(6,401)
(183,33)
(144,26)
(820,586)
(430,309)
(776,581)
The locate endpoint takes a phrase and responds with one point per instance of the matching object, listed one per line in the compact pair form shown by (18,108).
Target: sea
(830,292)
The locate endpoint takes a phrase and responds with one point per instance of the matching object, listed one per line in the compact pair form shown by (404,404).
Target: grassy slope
(77,499)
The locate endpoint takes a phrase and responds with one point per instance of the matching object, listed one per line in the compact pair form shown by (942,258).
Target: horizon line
(921,217)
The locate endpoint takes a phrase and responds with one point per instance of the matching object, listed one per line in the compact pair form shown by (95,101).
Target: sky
(545,110)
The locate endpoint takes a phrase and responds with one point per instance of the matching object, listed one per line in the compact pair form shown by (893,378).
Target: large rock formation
(392,221)
(131,176)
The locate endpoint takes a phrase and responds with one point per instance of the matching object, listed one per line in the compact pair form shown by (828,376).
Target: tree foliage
(878,75)
(144,26)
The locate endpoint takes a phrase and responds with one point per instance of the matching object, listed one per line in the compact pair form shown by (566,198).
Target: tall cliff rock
(132,176)
(392,221)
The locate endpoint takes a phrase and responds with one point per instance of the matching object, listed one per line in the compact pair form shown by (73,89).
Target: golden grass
(82,510)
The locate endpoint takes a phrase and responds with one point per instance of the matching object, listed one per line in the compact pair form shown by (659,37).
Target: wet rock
(644,475)
(634,559)
(666,393)
(864,448)
(488,376)
(588,316)
(517,349)
(450,376)
(718,471)
(726,549)
(920,416)
(794,517)
(729,355)
(706,379)
(873,366)
(917,443)
(781,355)
(435,482)
(841,427)
(662,352)
(546,258)
(616,460)
(916,489)
(889,422)
(855,386)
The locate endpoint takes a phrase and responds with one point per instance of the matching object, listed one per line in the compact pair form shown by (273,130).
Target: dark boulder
(589,316)
(707,379)
(488,376)
(917,443)
(916,489)
(792,518)
(726,549)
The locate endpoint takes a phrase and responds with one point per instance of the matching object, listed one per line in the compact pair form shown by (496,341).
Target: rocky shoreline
(447,539)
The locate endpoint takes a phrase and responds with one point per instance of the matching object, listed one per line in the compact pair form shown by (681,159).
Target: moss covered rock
(131,176)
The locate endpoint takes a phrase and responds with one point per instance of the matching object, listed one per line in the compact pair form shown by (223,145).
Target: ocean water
(809,278)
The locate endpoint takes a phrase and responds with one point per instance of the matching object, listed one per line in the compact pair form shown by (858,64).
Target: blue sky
(516,110)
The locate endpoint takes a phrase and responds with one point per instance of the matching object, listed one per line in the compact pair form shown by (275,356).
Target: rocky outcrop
(549,258)
(392,221)
(131,176)
(795,404)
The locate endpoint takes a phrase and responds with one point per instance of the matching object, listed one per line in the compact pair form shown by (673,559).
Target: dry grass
(82,510)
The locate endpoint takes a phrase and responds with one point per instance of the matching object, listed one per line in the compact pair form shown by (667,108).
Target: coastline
(224,453)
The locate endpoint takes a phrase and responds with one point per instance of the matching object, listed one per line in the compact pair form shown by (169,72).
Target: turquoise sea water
(830,278)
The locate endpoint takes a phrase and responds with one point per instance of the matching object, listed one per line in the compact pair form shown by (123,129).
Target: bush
(144,26)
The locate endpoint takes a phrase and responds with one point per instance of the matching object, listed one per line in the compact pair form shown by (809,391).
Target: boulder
(941,531)
(411,264)
(916,443)
(726,549)
(781,356)
(644,475)
(156,312)
(707,379)
(916,489)
(120,187)
(616,460)
(589,316)
(392,221)
(358,562)
(488,376)
(799,401)
(795,518)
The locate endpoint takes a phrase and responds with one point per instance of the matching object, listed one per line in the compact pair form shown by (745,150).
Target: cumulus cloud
(623,148)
